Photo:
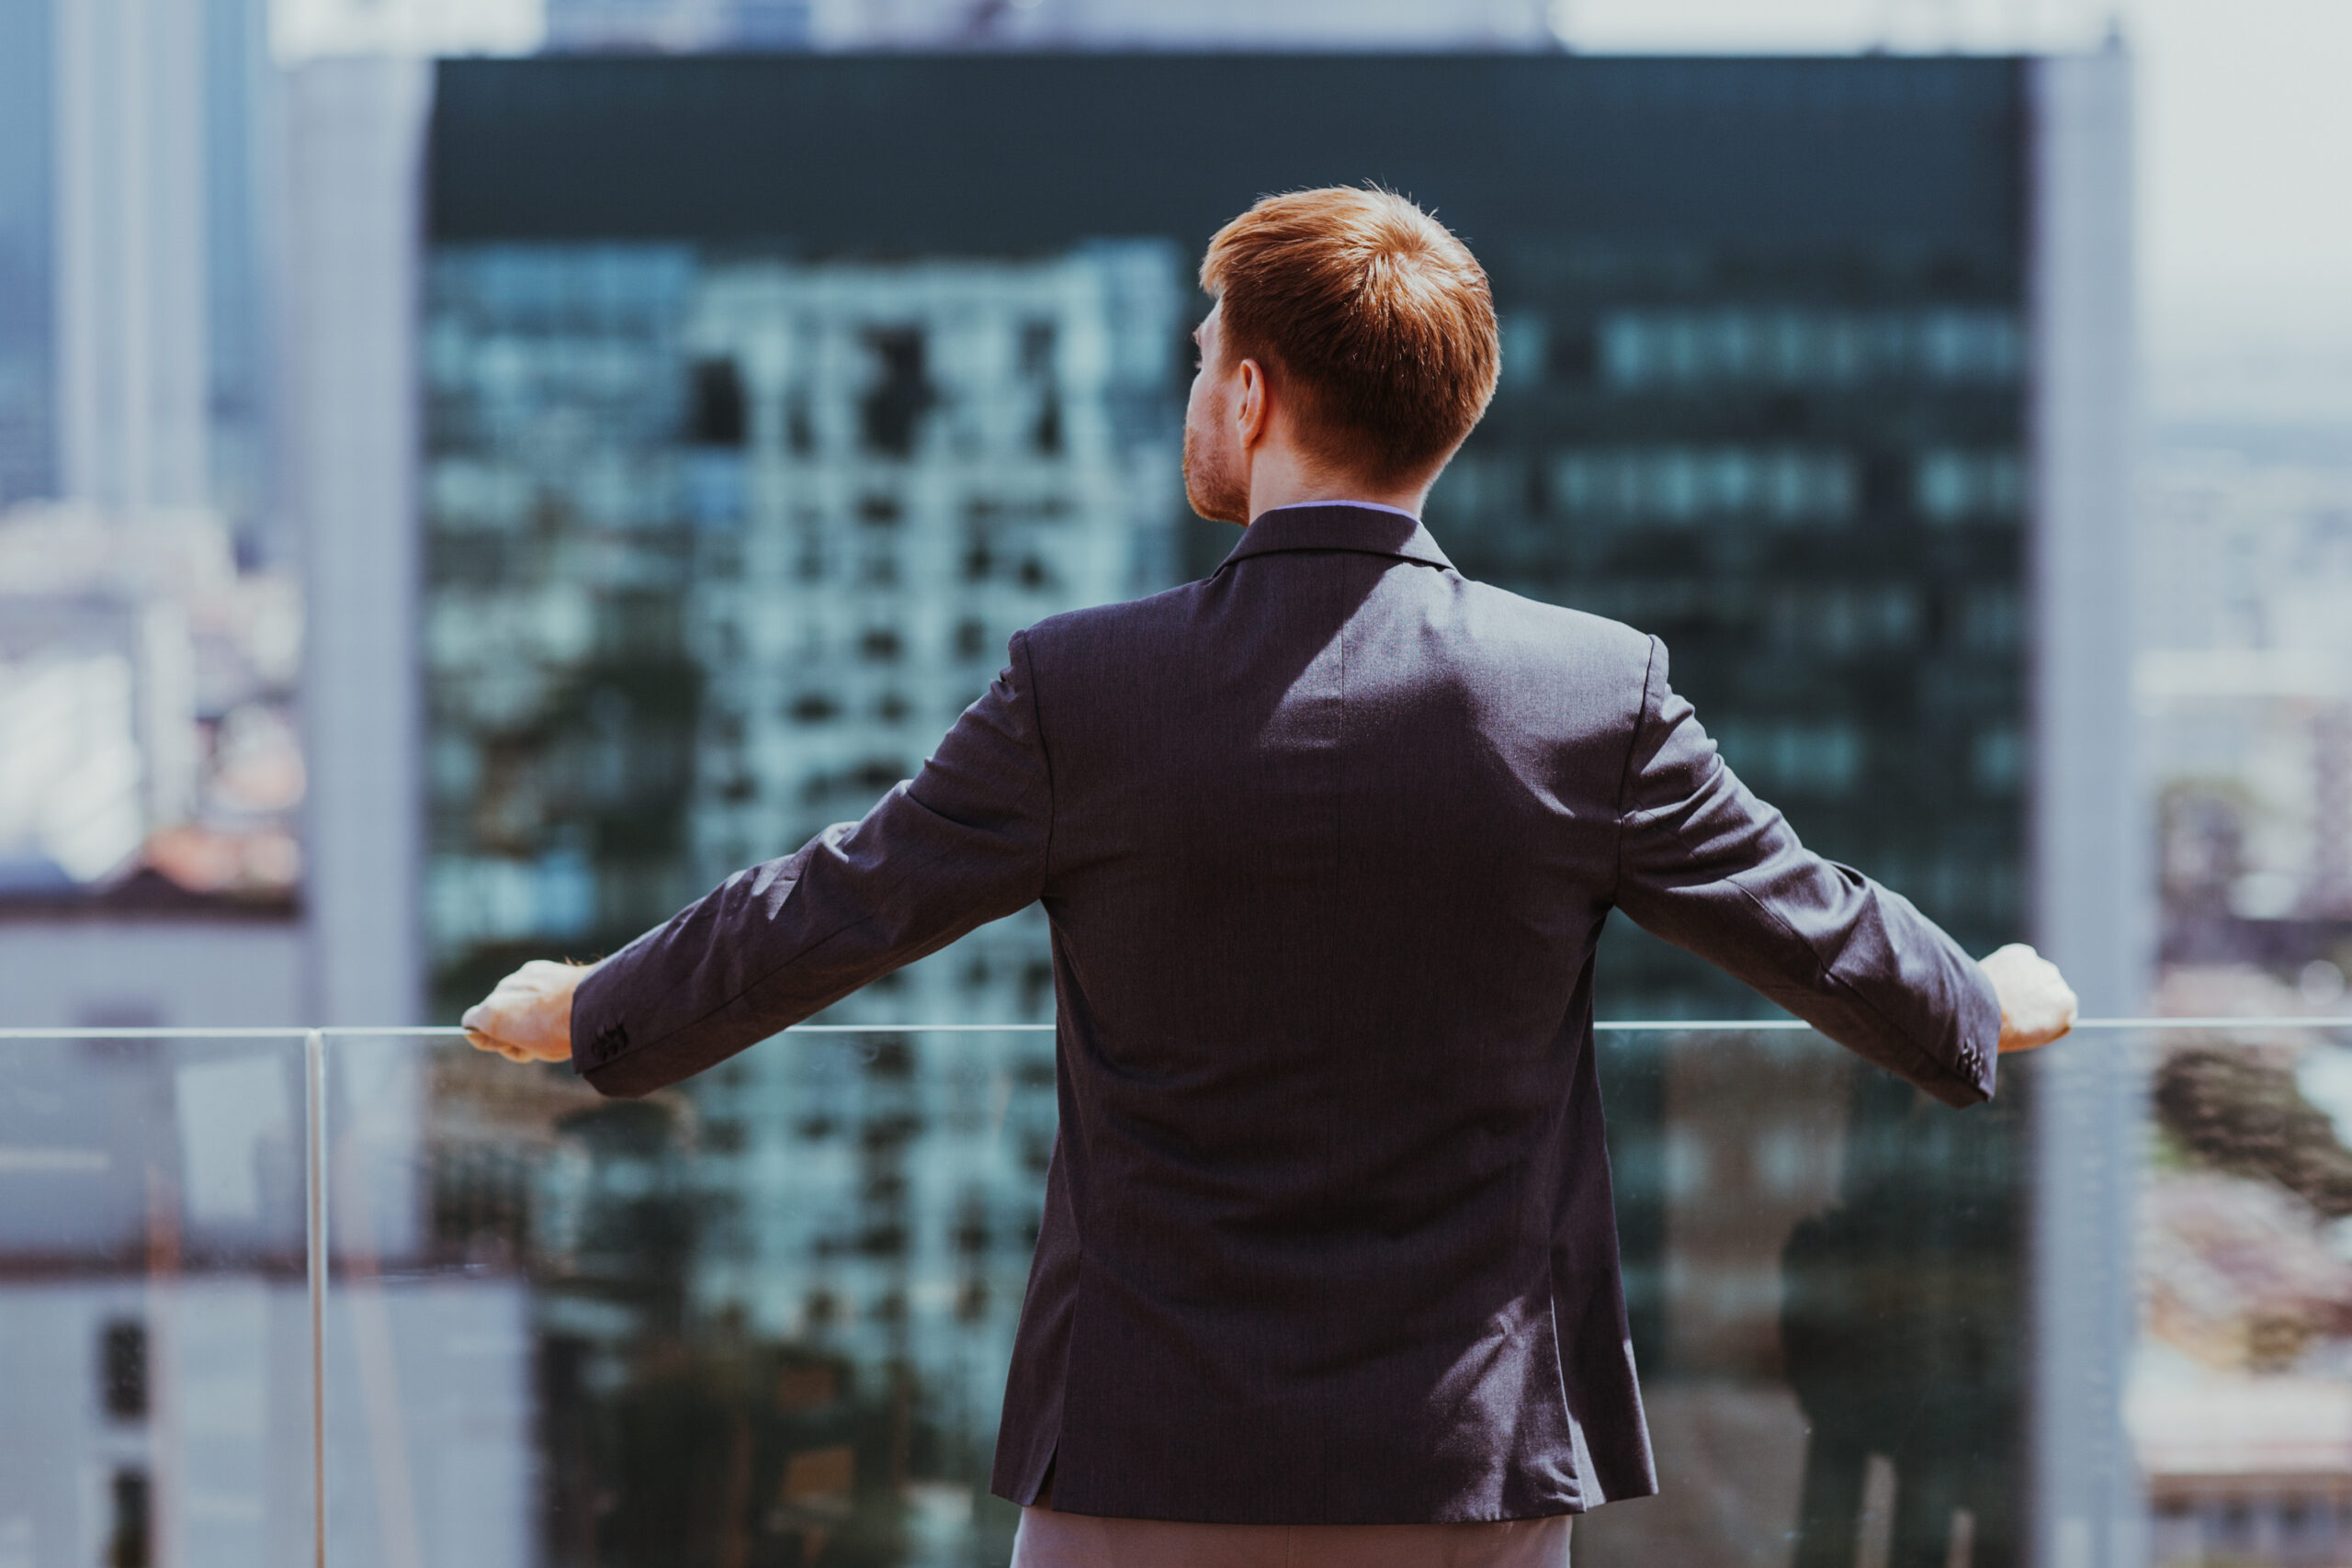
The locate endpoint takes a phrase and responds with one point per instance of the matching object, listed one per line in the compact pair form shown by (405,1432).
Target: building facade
(151,777)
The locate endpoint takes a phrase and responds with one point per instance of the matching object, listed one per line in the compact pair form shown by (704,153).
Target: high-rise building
(157,210)
(28,442)
(741,458)
(833,489)
(150,780)
(2246,677)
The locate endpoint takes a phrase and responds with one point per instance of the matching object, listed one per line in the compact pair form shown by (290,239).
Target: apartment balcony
(359,1297)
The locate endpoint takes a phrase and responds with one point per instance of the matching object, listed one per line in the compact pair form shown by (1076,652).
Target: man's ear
(1250,411)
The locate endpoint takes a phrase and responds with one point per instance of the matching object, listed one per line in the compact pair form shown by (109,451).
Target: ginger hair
(1367,312)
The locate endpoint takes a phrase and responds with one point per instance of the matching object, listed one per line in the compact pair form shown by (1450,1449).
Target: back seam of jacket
(1044,755)
(1340,751)
(1625,773)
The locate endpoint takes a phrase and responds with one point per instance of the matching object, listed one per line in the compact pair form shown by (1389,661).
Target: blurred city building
(698,25)
(2238,1398)
(741,458)
(303,30)
(2244,681)
(150,781)
(146,715)
(818,499)
(134,224)
(154,1327)
(2247,682)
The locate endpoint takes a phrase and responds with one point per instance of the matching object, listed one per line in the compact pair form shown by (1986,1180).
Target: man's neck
(1275,482)
(1357,502)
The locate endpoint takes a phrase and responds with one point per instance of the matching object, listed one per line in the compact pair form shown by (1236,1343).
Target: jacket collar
(1339,526)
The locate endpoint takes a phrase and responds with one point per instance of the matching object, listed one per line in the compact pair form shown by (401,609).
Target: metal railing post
(314,1247)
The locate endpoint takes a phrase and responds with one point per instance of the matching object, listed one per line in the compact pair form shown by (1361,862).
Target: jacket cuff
(1978,1056)
(600,1036)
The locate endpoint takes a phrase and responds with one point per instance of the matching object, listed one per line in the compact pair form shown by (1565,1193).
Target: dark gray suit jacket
(1326,840)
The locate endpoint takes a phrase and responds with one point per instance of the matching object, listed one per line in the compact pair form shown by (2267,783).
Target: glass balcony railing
(371,1297)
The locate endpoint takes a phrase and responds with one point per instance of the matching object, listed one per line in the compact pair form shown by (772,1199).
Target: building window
(1991,620)
(715,404)
(128,1540)
(1998,760)
(122,1370)
(1646,350)
(1682,484)
(1964,487)
(1038,341)
(892,409)
(1795,759)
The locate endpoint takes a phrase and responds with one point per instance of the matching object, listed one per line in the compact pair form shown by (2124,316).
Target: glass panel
(766,1318)
(154,1366)
(430,1405)
(760,1318)
(1824,1278)
(2240,1399)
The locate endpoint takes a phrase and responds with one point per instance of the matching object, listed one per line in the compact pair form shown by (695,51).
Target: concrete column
(355,138)
(2089,836)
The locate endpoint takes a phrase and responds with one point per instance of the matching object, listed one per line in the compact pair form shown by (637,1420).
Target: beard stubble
(1216,494)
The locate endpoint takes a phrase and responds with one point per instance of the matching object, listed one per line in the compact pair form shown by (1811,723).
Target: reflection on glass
(767,1315)
(763,1318)
(2240,1404)
(1832,1339)
(766,1318)
(153,1324)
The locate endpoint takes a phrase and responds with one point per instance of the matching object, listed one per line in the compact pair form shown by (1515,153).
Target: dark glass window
(719,417)
(130,1527)
(122,1369)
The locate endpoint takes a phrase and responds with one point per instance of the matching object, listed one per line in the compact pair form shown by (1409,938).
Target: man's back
(1334,832)
(1327,841)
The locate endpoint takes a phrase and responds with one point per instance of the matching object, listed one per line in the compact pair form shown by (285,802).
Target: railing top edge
(1602,1026)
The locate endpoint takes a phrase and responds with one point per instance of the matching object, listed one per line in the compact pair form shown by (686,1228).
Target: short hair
(1376,319)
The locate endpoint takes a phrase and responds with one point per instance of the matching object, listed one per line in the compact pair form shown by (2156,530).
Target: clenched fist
(2037,1004)
(528,1016)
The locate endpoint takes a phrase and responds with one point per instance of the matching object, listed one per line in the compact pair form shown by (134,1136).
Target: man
(1328,1270)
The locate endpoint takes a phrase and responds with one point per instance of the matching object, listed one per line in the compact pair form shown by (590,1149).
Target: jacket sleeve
(962,843)
(1707,867)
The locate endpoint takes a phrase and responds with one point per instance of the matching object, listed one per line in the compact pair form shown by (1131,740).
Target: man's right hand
(2037,1004)
(528,1016)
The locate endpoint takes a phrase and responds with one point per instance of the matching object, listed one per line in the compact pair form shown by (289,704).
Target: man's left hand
(528,1016)
(2037,1004)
